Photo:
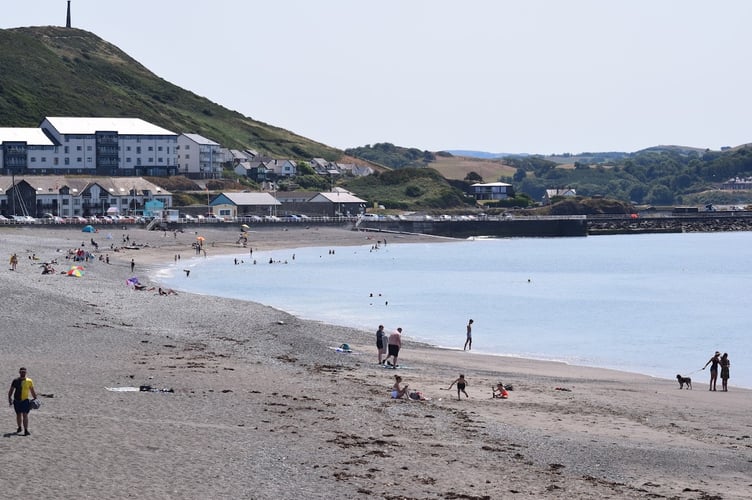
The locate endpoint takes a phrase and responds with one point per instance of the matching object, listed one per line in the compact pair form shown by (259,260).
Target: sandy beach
(251,402)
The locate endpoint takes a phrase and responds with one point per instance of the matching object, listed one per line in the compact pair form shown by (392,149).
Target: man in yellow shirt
(18,396)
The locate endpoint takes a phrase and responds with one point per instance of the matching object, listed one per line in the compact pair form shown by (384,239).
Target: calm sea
(657,304)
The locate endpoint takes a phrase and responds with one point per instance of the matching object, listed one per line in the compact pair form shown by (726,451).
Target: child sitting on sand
(499,391)
(397,391)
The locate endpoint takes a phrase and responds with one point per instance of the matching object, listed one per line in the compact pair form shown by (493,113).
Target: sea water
(657,304)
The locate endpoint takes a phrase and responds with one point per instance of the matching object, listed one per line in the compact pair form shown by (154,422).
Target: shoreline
(260,394)
(311,314)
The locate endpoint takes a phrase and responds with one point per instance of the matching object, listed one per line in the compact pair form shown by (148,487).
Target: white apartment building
(199,157)
(89,146)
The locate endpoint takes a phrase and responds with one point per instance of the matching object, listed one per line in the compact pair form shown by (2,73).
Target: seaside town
(71,168)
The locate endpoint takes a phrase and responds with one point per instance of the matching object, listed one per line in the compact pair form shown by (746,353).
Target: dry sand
(264,408)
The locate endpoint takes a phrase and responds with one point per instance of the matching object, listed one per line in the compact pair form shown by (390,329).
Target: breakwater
(575,225)
(501,227)
(657,223)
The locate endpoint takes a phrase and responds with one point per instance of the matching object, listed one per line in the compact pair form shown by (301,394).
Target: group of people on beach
(388,346)
(725,363)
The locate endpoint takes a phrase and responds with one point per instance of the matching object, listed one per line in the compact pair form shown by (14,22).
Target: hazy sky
(494,75)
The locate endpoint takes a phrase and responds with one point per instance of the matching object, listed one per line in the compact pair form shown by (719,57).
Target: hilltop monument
(67,18)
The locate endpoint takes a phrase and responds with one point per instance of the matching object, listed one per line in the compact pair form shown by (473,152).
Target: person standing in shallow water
(713,362)
(469,340)
(725,371)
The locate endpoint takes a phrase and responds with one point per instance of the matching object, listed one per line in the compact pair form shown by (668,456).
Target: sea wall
(576,225)
(702,222)
(517,227)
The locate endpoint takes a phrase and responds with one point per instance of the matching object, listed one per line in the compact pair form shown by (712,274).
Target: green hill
(55,71)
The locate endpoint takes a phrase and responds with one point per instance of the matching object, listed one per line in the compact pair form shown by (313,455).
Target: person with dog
(713,362)
(19,396)
(725,369)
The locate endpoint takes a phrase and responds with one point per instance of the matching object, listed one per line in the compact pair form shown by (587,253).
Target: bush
(414,191)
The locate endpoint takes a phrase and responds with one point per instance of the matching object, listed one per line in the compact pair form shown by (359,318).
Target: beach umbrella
(200,238)
(76,271)
(88,229)
(245,226)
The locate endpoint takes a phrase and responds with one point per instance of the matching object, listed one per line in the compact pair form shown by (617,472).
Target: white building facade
(89,146)
(199,157)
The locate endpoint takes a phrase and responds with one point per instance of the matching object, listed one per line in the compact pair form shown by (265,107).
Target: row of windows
(66,149)
(137,138)
(89,159)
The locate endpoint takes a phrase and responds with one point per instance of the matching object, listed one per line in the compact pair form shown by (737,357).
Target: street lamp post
(13,189)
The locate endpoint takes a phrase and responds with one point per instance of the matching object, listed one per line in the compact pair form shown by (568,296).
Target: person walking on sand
(461,383)
(13,262)
(18,397)
(725,371)
(715,360)
(381,343)
(469,340)
(397,391)
(395,344)
(133,265)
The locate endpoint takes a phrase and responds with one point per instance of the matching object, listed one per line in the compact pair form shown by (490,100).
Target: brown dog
(684,381)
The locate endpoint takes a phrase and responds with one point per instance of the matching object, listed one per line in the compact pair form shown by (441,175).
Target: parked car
(54,219)
(23,219)
(271,218)
(189,218)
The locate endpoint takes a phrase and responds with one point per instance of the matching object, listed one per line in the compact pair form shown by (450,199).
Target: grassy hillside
(408,189)
(457,167)
(54,71)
